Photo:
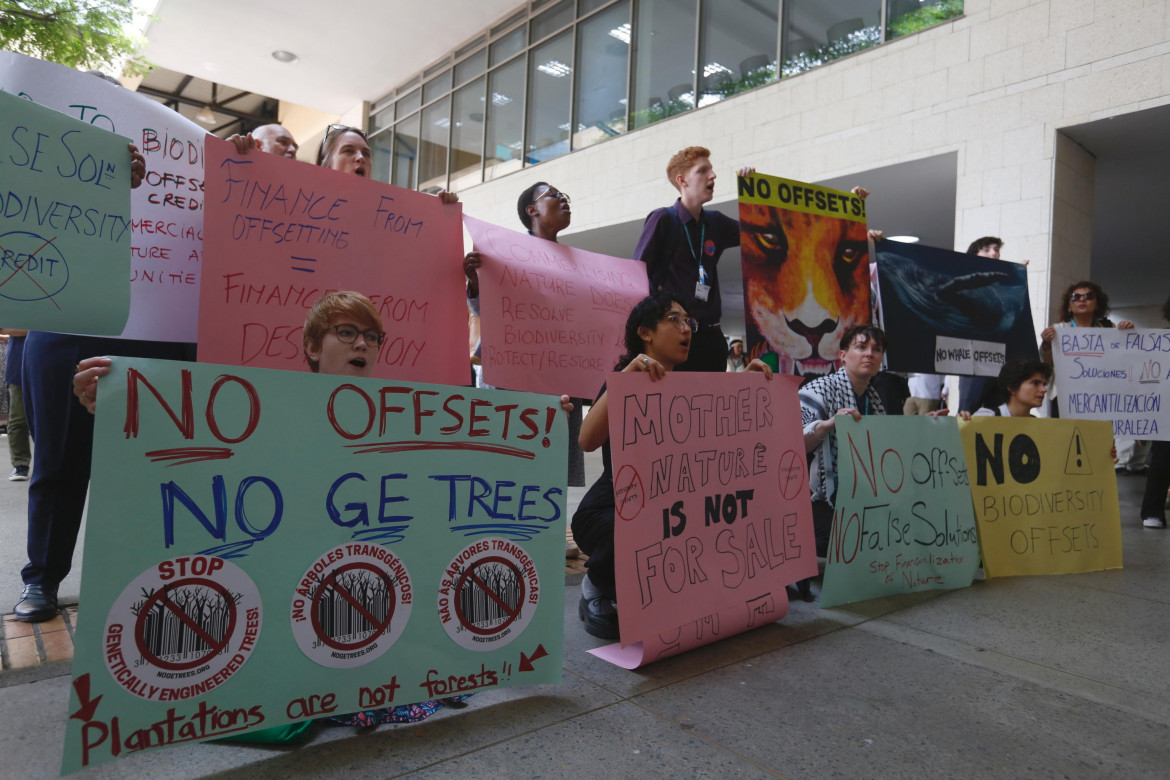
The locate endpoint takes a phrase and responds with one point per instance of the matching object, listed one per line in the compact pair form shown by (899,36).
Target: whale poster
(952,313)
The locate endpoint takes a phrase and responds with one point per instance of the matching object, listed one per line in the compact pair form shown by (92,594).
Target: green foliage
(924,17)
(85,34)
(835,49)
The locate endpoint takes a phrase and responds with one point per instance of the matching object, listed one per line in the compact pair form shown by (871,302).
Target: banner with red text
(713,518)
(266,547)
(166,227)
(553,317)
(280,234)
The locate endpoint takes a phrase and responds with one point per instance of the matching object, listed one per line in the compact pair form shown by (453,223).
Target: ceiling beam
(170,96)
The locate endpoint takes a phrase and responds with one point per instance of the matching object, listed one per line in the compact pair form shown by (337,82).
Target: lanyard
(864,399)
(694,253)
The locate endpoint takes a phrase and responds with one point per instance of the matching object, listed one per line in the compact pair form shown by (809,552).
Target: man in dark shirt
(681,245)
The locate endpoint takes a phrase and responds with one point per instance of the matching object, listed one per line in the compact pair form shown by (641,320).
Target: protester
(973,388)
(736,359)
(848,390)
(18,444)
(1158,475)
(657,339)
(1022,386)
(1083,305)
(270,139)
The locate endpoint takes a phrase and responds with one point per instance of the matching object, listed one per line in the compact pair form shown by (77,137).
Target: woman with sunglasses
(657,339)
(1084,305)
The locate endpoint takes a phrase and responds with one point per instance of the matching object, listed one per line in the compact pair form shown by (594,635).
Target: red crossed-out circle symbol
(162,601)
(472,573)
(378,625)
(791,474)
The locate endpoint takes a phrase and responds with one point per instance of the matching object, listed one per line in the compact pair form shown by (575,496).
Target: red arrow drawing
(88,707)
(526,660)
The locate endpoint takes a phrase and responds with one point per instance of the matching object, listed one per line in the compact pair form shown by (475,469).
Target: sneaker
(1154,522)
(600,617)
(19,474)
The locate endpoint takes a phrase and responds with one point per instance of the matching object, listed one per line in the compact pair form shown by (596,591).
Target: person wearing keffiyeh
(848,390)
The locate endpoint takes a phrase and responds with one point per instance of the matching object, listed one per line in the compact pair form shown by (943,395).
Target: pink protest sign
(712,507)
(553,317)
(280,234)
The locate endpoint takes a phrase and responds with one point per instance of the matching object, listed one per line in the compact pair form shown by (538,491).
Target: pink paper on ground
(711,489)
(279,234)
(553,317)
(704,631)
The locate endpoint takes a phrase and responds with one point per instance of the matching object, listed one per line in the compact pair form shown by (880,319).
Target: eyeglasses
(347,334)
(1088,296)
(555,195)
(681,322)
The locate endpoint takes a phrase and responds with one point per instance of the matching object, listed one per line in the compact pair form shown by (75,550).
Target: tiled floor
(27,644)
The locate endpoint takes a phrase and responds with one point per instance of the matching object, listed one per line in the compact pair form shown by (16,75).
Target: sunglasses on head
(336,130)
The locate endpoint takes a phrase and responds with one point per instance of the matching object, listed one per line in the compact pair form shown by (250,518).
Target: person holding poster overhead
(658,339)
(848,390)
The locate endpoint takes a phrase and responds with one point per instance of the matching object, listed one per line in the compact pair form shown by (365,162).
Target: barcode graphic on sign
(338,611)
(480,608)
(178,625)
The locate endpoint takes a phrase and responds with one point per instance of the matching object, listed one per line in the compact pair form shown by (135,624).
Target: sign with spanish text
(952,313)
(903,520)
(805,255)
(64,222)
(1045,495)
(1119,376)
(267,547)
(553,317)
(713,517)
(166,226)
(280,234)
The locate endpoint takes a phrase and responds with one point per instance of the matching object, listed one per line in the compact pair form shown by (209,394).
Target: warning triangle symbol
(1077,461)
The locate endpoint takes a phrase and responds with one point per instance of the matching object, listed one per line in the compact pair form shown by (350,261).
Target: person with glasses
(1083,305)
(657,340)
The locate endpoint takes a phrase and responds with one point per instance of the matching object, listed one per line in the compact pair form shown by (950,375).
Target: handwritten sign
(805,271)
(553,317)
(291,545)
(1045,495)
(903,520)
(713,513)
(952,313)
(280,234)
(64,222)
(1120,376)
(166,231)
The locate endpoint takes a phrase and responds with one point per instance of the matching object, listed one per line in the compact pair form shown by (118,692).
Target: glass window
(585,6)
(405,153)
(505,47)
(553,19)
(407,104)
(909,16)
(603,46)
(816,32)
(738,47)
(382,119)
(381,147)
(467,136)
(439,85)
(549,79)
(664,65)
(505,120)
(432,151)
(471,67)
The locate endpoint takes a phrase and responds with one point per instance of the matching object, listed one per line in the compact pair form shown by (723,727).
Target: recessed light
(904,239)
(287,57)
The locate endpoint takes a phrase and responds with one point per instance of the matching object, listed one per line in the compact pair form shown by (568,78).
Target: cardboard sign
(1119,376)
(553,317)
(166,231)
(903,520)
(266,547)
(805,259)
(713,513)
(280,234)
(64,222)
(1045,495)
(952,313)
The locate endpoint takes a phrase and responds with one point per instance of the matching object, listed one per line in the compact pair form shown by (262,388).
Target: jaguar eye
(770,241)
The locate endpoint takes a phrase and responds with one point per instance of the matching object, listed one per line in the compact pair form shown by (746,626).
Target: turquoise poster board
(903,520)
(266,546)
(64,222)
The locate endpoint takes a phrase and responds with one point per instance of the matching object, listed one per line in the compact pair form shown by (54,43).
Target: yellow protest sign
(761,190)
(1045,495)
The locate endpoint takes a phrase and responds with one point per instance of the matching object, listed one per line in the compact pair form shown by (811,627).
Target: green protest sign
(64,222)
(903,519)
(268,546)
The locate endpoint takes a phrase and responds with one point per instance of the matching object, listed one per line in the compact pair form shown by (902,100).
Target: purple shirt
(670,256)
